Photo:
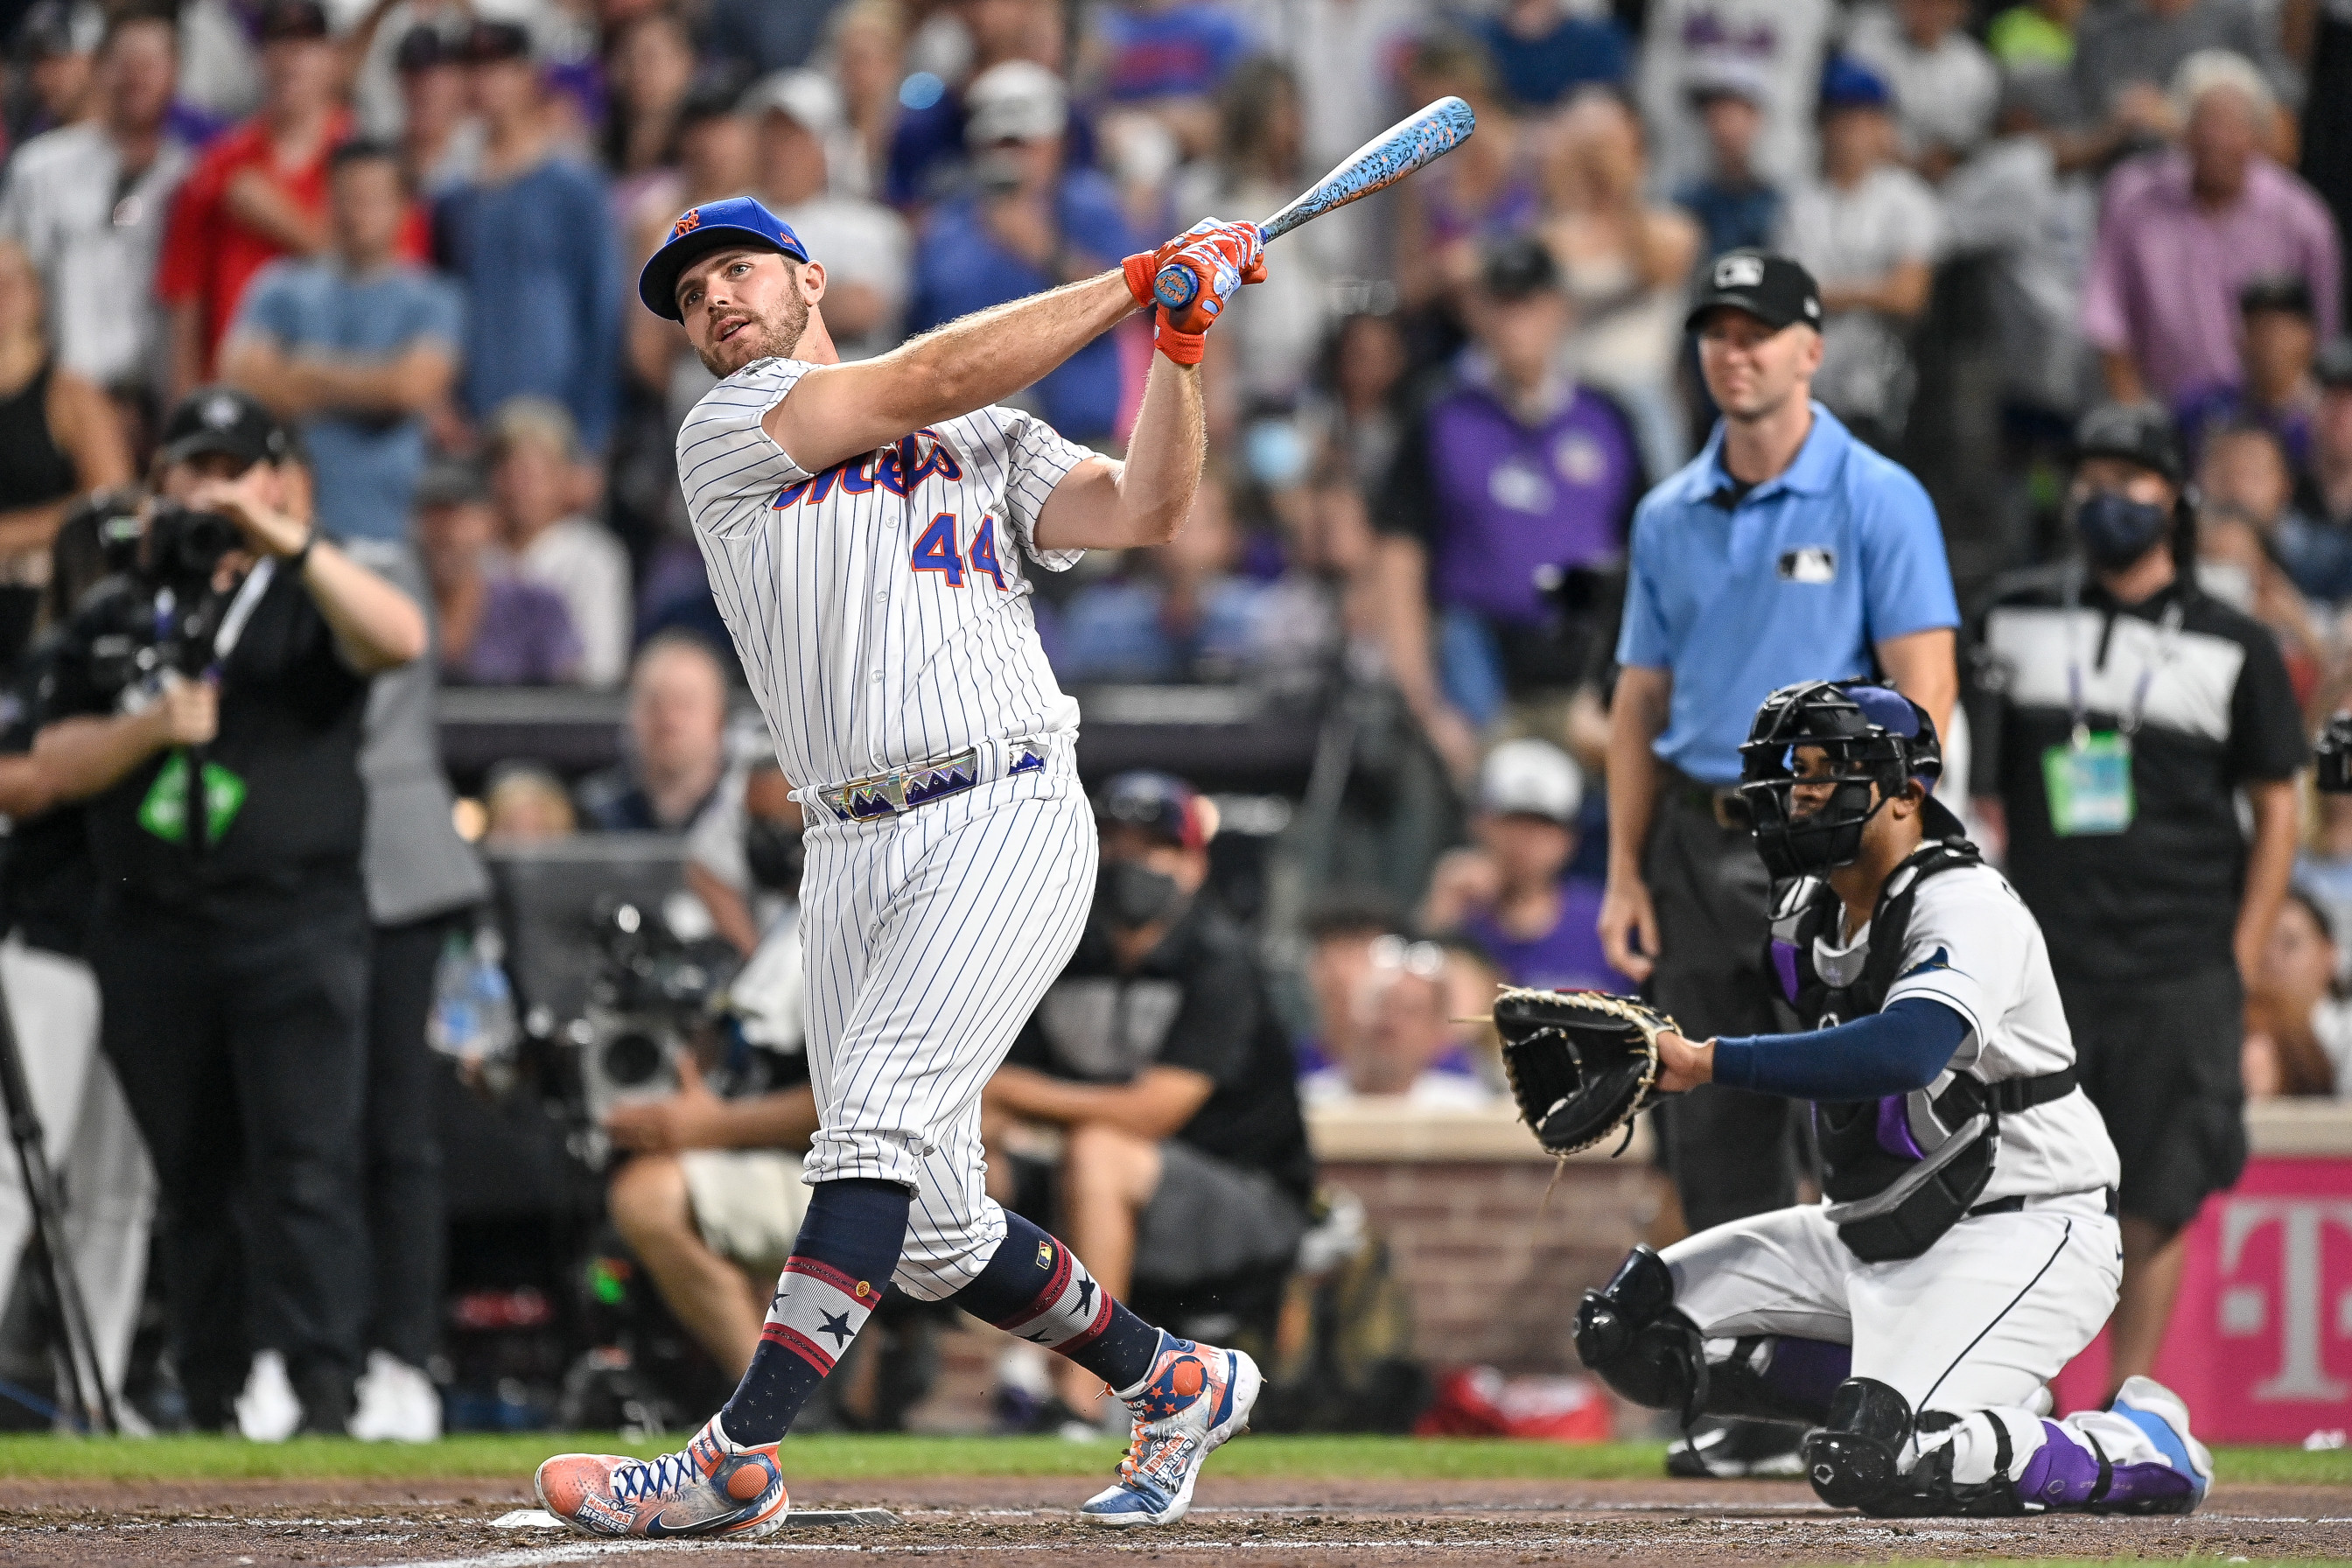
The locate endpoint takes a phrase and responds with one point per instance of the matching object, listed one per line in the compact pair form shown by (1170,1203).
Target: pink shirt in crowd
(2166,274)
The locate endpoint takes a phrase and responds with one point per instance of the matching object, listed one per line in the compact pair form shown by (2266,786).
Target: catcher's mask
(1873,735)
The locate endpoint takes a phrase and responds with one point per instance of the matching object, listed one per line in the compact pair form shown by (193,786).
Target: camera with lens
(167,612)
(654,994)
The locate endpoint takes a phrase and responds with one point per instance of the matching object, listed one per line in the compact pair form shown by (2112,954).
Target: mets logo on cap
(1731,272)
(687,222)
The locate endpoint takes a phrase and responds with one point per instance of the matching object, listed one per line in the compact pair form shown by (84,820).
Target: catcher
(1966,1248)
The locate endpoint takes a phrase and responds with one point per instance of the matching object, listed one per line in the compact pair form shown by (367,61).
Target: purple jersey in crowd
(1565,958)
(1505,499)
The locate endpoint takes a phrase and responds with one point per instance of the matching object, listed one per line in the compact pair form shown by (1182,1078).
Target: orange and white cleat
(710,1488)
(1197,1399)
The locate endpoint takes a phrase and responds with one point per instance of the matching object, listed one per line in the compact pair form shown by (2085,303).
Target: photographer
(46,889)
(231,665)
(712,1200)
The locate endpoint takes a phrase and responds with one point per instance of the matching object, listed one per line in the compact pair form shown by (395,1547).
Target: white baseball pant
(932,936)
(1983,1320)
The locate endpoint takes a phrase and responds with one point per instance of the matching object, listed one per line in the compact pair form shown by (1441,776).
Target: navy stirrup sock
(848,1248)
(1036,1288)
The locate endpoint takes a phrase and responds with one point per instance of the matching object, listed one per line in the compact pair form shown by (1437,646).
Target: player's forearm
(1890,1052)
(1637,717)
(1164,455)
(988,356)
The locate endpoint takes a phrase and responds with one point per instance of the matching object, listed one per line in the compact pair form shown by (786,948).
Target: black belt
(2017,1204)
(1726,806)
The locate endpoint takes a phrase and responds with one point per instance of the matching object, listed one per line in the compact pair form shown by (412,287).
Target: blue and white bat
(1420,138)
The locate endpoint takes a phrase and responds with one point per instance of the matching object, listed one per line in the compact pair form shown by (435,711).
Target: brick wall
(1493,1269)
(1493,1265)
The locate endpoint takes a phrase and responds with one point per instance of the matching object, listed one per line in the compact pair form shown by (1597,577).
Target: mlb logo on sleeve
(1809,563)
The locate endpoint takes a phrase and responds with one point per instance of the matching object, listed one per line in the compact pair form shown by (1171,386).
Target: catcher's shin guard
(1854,1458)
(1630,1335)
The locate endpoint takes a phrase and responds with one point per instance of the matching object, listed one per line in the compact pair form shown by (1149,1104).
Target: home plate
(798,1519)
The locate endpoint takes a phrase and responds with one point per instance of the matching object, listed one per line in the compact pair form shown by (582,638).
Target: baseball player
(868,530)
(1967,1247)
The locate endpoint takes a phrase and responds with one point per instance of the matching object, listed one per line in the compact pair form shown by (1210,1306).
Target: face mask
(1130,895)
(2116,529)
(774,854)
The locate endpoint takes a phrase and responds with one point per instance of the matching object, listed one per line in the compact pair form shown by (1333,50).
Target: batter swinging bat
(1420,138)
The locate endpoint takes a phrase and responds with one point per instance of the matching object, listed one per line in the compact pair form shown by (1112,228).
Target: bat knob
(1175,286)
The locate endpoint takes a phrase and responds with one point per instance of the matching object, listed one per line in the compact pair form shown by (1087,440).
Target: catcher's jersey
(1973,946)
(881,608)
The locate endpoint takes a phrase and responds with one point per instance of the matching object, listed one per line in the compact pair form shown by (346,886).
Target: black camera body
(652,997)
(166,613)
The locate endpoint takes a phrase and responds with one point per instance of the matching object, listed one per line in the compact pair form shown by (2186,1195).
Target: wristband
(1182,347)
(1141,270)
(301,558)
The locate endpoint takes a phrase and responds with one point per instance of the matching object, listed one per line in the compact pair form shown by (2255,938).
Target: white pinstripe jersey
(881,608)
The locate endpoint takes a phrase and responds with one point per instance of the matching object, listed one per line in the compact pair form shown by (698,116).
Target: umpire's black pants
(239,1037)
(1733,1152)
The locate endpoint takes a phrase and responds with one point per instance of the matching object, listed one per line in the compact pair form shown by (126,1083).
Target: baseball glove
(1581,1063)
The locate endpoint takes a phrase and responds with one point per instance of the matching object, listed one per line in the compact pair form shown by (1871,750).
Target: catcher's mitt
(1581,1063)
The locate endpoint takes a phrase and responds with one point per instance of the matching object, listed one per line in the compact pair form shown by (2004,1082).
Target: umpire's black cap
(2137,433)
(221,420)
(1776,290)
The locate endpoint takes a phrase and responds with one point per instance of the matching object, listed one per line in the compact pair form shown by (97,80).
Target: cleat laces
(655,1477)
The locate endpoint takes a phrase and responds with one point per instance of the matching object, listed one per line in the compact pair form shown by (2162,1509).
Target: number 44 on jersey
(935,551)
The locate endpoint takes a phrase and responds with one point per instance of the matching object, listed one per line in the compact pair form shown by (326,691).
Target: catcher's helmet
(1873,735)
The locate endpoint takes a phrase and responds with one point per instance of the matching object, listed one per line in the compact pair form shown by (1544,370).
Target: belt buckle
(869,799)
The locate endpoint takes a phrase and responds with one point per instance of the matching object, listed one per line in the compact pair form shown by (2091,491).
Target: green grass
(840,1458)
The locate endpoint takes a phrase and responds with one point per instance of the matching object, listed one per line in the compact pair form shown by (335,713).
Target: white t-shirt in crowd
(1856,235)
(1945,96)
(1782,40)
(581,560)
(863,242)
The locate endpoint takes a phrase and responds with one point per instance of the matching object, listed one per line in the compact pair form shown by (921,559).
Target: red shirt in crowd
(210,255)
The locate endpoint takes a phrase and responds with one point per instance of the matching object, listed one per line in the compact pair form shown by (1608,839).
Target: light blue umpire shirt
(1736,596)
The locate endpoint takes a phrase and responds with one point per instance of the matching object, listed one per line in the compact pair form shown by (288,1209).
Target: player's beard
(773,338)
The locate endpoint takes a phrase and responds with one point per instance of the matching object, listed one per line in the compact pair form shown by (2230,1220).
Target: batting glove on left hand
(1221,258)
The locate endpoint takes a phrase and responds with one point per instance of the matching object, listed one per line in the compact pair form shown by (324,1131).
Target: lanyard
(2167,635)
(241,608)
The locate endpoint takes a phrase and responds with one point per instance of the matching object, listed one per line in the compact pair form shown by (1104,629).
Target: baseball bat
(1420,138)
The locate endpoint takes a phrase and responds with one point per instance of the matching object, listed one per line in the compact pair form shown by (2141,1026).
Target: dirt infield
(1010,1523)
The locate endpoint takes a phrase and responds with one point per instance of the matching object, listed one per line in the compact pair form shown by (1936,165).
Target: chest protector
(1902,1170)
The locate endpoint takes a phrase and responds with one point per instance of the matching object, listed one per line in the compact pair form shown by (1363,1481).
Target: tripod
(66,1318)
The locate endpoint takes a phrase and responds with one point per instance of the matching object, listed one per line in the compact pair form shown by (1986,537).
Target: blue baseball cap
(699,231)
(1898,715)
(1847,83)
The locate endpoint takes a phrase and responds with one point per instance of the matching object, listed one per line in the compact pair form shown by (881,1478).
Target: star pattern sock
(842,1262)
(1036,1287)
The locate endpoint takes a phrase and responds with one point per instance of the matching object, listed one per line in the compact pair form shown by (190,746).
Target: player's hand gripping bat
(1420,138)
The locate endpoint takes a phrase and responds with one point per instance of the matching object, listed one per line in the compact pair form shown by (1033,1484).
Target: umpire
(2123,714)
(1785,550)
(230,936)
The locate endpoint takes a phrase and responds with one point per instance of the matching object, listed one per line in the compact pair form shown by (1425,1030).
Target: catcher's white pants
(931,936)
(93,1147)
(1977,1323)
(1984,1318)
